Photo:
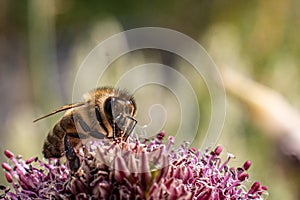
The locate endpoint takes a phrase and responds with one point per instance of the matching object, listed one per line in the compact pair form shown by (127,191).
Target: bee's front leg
(73,159)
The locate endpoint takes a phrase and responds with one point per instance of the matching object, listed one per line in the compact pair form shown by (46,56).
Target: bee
(106,112)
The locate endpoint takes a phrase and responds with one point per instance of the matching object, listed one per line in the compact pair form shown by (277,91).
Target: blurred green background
(42,44)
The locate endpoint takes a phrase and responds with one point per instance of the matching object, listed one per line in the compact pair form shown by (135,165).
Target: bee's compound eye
(108,108)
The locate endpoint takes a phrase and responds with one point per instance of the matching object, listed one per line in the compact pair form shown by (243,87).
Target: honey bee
(106,112)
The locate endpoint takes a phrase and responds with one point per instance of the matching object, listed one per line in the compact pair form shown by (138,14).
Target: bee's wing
(63,108)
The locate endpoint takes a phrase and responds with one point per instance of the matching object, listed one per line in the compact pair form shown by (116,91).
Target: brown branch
(269,108)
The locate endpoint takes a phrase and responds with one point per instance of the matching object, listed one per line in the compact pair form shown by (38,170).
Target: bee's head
(120,114)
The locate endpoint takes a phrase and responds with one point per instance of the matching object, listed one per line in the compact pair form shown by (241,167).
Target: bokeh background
(255,44)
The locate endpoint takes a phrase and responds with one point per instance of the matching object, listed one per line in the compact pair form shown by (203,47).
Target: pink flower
(131,170)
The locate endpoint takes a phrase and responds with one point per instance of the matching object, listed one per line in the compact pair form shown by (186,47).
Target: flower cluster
(131,170)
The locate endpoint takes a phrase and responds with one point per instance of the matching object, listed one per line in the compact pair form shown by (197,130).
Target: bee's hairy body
(91,118)
(54,143)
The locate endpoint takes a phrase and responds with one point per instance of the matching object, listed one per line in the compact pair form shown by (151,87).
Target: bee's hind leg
(71,156)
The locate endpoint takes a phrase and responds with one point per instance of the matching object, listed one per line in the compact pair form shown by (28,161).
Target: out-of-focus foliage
(42,44)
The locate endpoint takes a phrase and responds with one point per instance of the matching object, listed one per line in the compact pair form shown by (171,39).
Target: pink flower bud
(6,166)
(218,150)
(247,165)
(8,154)
(8,177)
